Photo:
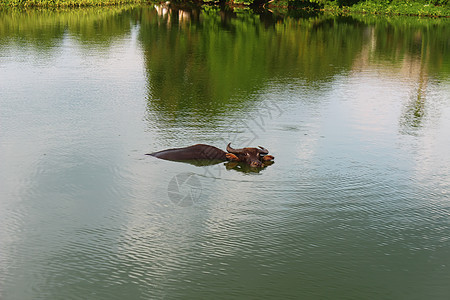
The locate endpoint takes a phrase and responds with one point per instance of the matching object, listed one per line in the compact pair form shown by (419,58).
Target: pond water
(356,111)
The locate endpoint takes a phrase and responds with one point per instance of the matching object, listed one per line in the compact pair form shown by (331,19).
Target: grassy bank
(396,7)
(429,8)
(65,3)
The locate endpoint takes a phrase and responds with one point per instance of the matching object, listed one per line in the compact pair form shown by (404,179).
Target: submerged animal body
(194,152)
(254,157)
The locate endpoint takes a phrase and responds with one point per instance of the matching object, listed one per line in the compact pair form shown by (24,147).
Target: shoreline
(367,7)
(394,9)
(67,3)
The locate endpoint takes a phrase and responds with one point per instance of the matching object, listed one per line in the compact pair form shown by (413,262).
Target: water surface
(355,110)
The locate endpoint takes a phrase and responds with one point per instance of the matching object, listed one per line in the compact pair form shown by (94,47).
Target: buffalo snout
(256,164)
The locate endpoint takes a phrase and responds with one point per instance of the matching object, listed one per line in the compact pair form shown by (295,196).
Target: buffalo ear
(231,157)
(262,150)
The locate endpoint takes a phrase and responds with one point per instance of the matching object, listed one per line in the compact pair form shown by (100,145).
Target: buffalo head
(254,157)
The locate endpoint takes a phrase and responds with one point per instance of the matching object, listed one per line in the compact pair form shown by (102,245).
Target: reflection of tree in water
(209,61)
(413,52)
(205,65)
(414,111)
(44,30)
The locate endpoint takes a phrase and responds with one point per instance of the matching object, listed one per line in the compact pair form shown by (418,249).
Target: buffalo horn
(234,151)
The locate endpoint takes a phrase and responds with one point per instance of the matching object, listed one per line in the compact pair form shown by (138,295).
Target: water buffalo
(254,157)
(201,153)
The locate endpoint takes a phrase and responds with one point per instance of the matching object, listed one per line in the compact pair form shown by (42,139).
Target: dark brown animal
(254,157)
(195,152)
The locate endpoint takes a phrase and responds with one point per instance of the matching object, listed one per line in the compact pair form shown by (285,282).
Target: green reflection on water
(206,62)
(45,29)
(216,55)
(209,60)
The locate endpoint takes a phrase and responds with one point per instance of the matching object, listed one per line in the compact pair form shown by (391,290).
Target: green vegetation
(430,8)
(65,3)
